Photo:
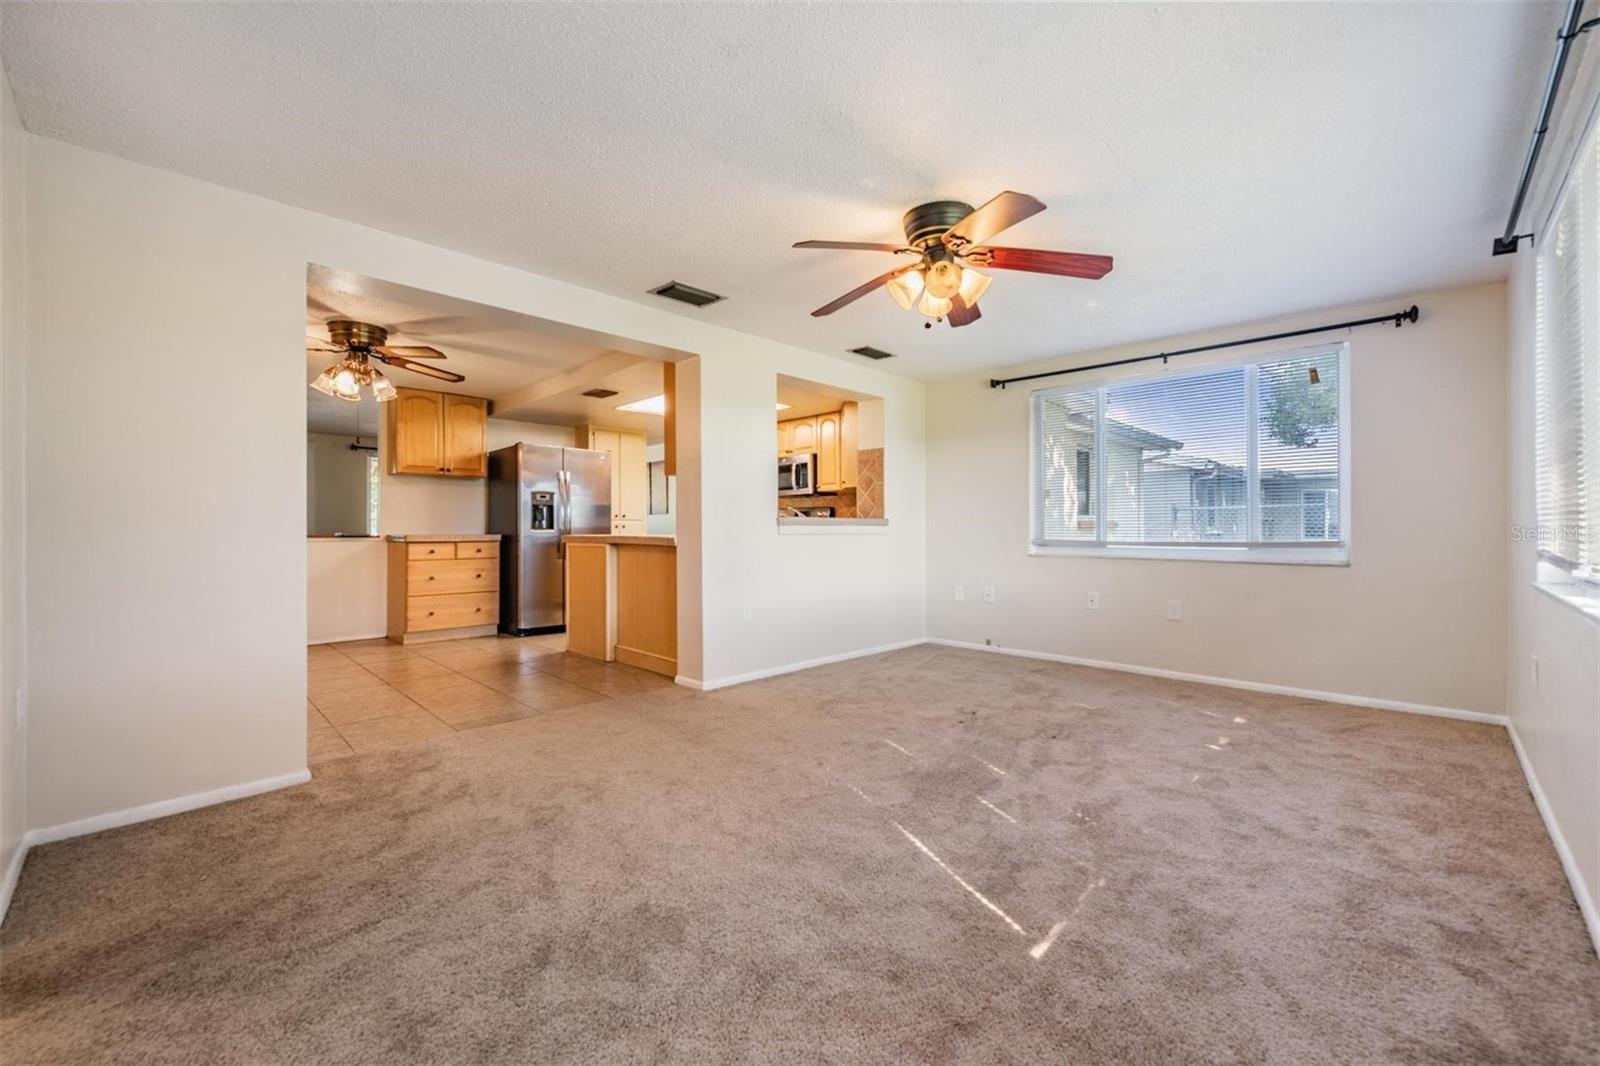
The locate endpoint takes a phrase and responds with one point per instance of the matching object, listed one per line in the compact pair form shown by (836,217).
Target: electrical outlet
(988,594)
(961,594)
(1535,673)
(1094,601)
(747,612)
(1174,610)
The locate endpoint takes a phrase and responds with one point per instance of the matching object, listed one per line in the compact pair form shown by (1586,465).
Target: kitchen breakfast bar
(622,599)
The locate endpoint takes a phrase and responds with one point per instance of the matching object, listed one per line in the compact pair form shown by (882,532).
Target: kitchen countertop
(659,540)
(790,520)
(440,538)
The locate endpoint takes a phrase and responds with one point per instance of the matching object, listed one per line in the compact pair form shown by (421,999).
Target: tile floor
(368,694)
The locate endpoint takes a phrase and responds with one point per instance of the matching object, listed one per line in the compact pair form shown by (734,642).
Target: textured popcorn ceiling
(1239,161)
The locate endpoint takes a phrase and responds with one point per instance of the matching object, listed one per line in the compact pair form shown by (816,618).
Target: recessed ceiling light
(651,405)
(783,406)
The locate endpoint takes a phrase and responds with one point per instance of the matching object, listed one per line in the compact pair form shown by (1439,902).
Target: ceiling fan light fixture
(906,288)
(933,306)
(973,286)
(944,279)
(382,387)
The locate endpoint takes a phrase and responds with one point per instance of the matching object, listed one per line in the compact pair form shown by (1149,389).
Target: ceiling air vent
(872,353)
(688,294)
(600,394)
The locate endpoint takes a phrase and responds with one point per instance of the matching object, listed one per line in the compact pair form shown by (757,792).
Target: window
(1244,462)
(1567,369)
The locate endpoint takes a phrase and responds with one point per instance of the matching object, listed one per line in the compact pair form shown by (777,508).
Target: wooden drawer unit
(439,590)
(452,575)
(425,613)
(477,549)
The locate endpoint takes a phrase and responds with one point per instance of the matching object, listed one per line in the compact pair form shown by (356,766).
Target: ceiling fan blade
(861,290)
(1065,264)
(960,314)
(417,368)
(1004,210)
(858,246)
(411,351)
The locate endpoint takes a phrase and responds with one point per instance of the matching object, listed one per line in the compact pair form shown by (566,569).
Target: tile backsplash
(843,503)
(869,483)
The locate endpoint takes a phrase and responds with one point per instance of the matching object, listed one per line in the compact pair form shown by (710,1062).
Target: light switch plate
(1094,601)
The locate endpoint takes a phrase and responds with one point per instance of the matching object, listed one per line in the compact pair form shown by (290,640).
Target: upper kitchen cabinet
(438,433)
(832,438)
(828,446)
(466,436)
(630,475)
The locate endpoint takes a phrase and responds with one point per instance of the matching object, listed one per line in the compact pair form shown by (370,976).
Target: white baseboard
(1228,682)
(1569,863)
(8,881)
(789,668)
(116,819)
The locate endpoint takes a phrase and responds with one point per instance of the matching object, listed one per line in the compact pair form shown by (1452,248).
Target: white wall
(167,657)
(13,311)
(1557,722)
(1417,617)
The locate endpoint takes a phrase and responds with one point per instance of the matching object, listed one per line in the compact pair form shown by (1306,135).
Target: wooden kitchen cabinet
(630,475)
(466,436)
(833,438)
(849,445)
(828,452)
(438,433)
(442,589)
(802,435)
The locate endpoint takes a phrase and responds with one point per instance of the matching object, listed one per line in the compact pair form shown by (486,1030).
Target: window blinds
(1567,389)
(1240,456)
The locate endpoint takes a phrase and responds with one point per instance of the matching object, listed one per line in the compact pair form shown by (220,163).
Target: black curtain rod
(1399,318)
(1571,27)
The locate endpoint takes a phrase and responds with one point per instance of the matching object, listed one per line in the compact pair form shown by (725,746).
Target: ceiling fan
(361,343)
(948,238)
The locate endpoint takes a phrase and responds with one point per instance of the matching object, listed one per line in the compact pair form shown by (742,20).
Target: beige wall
(13,642)
(336,485)
(167,661)
(1417,617)
(1557,720)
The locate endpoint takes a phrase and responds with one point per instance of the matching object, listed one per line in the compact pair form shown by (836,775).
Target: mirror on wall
(342,475)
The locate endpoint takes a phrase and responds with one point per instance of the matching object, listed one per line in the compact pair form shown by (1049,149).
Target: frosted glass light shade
(973,286)
(906,288)
(933,306)
(944,279)
(382,388)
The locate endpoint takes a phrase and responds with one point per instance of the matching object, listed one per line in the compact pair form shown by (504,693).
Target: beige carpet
(933,855)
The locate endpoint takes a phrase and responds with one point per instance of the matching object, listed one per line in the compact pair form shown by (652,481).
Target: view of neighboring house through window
(1243,456)
(1567,389)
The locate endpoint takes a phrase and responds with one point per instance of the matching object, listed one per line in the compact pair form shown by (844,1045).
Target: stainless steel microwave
(797,475)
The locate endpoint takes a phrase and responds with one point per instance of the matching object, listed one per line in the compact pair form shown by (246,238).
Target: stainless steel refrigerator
(537,494)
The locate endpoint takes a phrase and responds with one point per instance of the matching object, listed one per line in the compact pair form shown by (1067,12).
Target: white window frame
(1330,554)
(1551,576)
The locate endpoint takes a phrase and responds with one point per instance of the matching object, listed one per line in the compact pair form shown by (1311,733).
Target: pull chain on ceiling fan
(948,238)
(361,343)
